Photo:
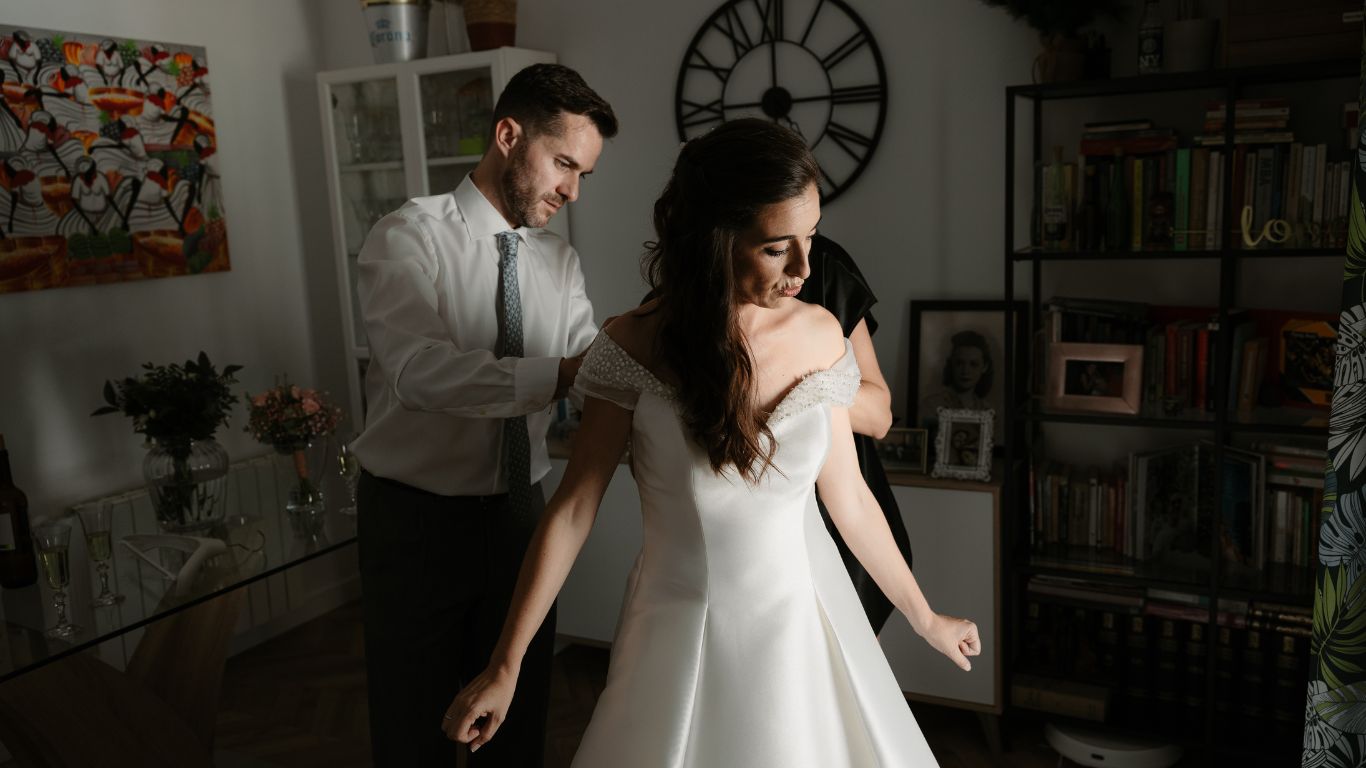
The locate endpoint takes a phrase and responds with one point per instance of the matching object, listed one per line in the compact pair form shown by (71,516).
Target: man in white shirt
(477,320)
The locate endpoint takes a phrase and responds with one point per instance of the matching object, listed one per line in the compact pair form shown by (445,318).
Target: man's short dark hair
(536,97)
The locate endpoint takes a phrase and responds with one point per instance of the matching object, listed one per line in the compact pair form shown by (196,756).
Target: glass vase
(188,483)
(304,503)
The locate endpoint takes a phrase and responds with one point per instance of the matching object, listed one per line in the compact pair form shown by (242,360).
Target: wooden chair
(82,713)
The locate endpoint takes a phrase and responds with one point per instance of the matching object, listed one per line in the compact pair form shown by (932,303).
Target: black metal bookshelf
(1278,583)
(1036,254)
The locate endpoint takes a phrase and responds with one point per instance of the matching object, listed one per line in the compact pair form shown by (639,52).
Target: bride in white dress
(741,641)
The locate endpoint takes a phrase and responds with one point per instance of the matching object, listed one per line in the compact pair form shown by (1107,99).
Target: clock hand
(773,62)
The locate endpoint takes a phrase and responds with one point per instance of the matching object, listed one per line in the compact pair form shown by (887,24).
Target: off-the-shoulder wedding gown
(741,642)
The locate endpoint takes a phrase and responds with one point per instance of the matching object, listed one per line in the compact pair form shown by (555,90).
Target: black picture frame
(945,318)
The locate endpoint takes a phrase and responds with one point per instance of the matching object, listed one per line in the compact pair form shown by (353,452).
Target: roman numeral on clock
(733,27)
(857,94)
(848,140)
(771,13)
(701,114)
(817,71)
(722,73)
(844,49)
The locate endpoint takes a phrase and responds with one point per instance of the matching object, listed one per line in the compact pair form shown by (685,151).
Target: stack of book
(1163,511)
(1083,511)
(1294,485)
(1255,121)
(1134,187)
(1289,355)
(1140,657)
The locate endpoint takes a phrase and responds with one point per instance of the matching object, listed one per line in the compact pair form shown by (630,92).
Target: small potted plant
(294,420)
(178,408)
(1059,24)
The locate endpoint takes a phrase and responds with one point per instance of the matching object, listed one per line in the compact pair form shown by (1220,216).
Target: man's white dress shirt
(437,396)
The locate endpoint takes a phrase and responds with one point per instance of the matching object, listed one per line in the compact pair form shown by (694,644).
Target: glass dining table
(257,539)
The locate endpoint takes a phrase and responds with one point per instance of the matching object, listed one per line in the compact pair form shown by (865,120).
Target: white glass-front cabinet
(396,131)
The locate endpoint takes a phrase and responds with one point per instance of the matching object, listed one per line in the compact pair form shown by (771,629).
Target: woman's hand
(488,696)
(955,638)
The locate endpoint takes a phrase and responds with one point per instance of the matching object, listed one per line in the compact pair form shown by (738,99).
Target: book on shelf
(1117,126)
(1248,137)
(1215,126)
(1240,532)
(1193,614)
(1277,357)
(1349,124)
(1081,590)
(1069,698)
(1292,449)
(1137,143)
(1287,711)
(1251,107)
(1254,356)
(1151,668)
(1161,513)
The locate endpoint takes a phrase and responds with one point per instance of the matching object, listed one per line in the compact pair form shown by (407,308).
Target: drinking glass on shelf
(97,522)
(357,136)
(53,539)
(348,466)
(438,133)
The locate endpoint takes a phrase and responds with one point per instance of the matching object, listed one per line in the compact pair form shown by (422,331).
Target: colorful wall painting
(108,169)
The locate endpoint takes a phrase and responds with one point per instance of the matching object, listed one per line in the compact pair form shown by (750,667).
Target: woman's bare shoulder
(635,331)
(823,332)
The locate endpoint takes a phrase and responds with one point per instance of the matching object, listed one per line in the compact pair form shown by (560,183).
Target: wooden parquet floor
(298,701)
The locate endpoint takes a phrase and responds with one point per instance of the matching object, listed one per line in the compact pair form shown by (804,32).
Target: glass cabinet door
(369,146)
(457,114)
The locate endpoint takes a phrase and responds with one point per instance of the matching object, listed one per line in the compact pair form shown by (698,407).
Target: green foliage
(1339,640)
(1060,17)
(1356,236)
(174,404)
(129,51)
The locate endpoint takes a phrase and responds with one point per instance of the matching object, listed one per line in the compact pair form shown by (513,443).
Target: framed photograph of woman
(957,358)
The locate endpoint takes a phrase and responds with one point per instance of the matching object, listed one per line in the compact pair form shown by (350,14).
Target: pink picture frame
(1101,378)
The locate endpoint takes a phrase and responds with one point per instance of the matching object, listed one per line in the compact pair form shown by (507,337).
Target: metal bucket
(397,29)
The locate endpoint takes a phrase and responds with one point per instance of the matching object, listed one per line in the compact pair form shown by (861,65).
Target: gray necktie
(516,443)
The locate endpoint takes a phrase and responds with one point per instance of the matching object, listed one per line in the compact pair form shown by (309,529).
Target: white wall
(58,346)
(924,220)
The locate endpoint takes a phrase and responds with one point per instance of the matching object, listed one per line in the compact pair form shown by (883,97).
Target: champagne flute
(53,539)
(97,521)
(348,466)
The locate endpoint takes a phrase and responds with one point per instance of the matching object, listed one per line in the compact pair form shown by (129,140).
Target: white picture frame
(962,447)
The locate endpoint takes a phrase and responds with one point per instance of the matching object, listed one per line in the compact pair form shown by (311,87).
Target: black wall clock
(811,65)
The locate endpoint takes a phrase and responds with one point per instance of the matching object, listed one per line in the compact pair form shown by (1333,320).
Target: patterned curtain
(1335,706)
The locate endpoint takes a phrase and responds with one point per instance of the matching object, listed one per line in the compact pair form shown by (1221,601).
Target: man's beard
(520,194)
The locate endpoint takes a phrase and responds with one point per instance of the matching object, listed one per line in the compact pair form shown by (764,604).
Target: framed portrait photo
(957,358)
(1106,378)
(962,448)
(904,450)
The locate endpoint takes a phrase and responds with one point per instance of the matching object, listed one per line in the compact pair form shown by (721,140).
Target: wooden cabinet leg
(991,728)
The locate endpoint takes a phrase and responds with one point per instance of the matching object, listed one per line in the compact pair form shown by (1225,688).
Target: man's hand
(569,369)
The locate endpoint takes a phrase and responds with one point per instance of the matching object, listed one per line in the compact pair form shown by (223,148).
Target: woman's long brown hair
(720,183)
